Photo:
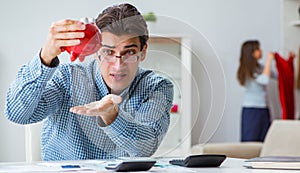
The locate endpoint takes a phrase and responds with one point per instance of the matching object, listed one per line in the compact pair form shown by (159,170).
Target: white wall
(226,24)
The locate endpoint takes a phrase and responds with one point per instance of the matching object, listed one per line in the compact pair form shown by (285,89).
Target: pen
(70,166)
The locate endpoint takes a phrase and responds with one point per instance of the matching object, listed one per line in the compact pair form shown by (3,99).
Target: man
(106,109)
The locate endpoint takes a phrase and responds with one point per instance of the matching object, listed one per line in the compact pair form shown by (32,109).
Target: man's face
(117,72)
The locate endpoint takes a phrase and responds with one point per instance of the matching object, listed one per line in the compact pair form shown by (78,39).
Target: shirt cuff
(39,71)
(54,62)
(120,123)
(100,122)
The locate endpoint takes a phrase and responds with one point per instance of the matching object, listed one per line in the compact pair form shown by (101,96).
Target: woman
(254,77)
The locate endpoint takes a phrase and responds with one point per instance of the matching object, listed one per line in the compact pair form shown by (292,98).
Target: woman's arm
(268,64)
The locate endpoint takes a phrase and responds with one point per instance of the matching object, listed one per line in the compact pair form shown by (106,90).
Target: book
(274,162)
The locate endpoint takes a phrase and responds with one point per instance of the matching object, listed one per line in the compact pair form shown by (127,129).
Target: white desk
(230,165)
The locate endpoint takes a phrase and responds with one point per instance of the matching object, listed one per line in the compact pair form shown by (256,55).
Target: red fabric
(285,70)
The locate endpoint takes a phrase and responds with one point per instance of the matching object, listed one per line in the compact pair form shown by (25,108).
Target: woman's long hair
(248,63)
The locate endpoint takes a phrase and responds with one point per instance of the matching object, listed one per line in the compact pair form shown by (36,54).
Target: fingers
(115,99)
(78,109)
(107,100)
(68,25)
(270,55)
(88,109)
(111,99)
(93,109)
(68,35)
(67,32)
(61,34)
(65,22)
(291,54)
(93,105)
(101,107)
(83,110)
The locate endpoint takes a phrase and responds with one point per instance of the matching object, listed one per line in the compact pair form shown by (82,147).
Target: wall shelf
(170,56)
(295,23)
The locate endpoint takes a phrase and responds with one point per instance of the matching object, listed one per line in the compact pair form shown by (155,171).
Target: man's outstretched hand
(107,108)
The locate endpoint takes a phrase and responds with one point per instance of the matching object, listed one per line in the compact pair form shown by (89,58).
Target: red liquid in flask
(90,44)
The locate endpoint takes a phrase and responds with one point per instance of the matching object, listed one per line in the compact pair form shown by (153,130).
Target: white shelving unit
(290,25)
(170,56)
(290,37)
(295,23)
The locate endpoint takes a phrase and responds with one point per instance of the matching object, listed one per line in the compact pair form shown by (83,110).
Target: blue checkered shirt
(43,93)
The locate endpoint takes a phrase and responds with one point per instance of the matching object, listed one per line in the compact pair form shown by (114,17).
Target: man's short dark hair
(123,19)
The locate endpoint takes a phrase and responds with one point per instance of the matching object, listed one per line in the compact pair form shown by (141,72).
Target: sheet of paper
(86,166)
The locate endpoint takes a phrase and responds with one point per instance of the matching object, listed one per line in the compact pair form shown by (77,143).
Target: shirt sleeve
(140,134)
(26,102)
(262,79)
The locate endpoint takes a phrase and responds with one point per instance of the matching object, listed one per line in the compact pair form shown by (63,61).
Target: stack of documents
(274,162)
